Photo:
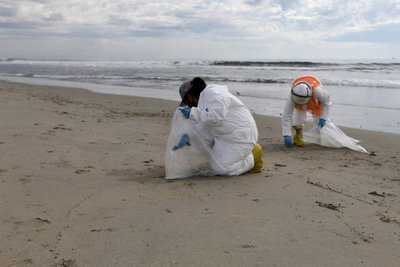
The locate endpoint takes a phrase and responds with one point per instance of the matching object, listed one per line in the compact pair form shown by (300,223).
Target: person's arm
(212,108)
(287,115)
(323,97)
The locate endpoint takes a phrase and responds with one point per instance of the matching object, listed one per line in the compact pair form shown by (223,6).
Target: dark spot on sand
(285,186)
(280,165)
(374,193)
(68,263)
(42,220)
(102,230)
(248,246)
(328,205)
(25,180)
(61,127)
(387,219)
(81,171)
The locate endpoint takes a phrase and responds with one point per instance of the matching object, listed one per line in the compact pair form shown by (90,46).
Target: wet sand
(82,184)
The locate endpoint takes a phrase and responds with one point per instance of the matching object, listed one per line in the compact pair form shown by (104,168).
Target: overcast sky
(199,29)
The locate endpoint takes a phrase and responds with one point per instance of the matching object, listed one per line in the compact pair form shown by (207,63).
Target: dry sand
(82,184)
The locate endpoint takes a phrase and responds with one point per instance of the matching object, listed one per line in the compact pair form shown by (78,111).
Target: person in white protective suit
(307,95)
(225,123)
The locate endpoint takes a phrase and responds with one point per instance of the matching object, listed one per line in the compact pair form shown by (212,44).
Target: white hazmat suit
(293,116)
(221,130)
(232,127)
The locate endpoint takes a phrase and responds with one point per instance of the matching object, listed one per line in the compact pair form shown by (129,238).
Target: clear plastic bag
(192,160)
(332,136)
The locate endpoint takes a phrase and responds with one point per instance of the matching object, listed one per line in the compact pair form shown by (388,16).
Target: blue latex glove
(321,123)
(287,139)
(185,141)
(185,111)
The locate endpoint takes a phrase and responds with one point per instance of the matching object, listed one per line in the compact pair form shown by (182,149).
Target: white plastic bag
(331,136)
(187,161)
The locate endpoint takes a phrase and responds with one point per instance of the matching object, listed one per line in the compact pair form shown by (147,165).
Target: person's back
(225,115)
(232,126)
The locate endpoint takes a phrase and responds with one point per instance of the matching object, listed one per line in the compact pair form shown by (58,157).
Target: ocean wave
(93,64)
(26,75)
(143,78)
(378,74)
(308,64)
(271,63)
(129,79)
(368,106)
(234,63)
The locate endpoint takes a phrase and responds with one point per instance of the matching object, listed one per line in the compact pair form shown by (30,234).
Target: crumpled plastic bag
(331,136)
(187,161)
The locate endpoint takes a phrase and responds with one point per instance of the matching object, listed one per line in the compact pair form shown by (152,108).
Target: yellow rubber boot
(258,159)
(298,136)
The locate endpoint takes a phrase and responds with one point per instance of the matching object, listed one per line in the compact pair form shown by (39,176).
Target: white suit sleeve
(323,97)
(287,116)
(212,108)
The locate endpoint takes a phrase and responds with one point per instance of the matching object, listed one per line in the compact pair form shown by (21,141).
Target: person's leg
(258,159)
(299,117)
(231,158)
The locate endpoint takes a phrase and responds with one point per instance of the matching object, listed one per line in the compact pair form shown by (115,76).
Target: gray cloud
(380,34)
(287,4)
(203,26)
(253,2)
(7,12)
(117,21)
(17,25)
(228,25)
(54,17)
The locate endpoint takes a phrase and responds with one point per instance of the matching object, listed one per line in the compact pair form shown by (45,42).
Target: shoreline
(82,184)
(338,113)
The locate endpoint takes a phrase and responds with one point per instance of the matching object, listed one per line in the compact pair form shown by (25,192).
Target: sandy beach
(82,184)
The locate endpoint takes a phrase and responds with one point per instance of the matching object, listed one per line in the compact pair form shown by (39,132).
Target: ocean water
(365,93)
